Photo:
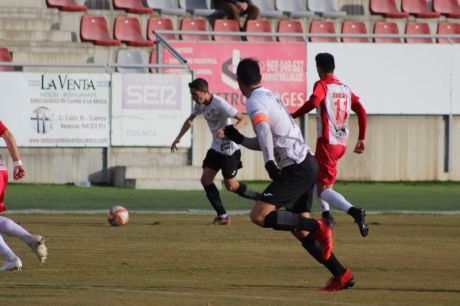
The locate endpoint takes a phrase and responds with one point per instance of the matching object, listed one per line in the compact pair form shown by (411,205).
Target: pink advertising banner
(283,68)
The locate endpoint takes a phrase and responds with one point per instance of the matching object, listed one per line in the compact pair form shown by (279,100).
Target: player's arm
(318,95)
(358,108)
(241,121)
(19,172)
(185,127)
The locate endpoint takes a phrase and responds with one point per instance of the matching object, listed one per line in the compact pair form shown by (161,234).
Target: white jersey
(218,114)
(335,114)
(288,142)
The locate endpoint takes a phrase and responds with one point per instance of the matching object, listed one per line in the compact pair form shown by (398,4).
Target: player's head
(199,90)
(325,64)
(248,74)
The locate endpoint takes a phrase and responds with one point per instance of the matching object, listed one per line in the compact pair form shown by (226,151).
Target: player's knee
(205,181)
(257,218)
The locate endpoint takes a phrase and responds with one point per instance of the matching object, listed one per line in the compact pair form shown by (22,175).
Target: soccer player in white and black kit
(224,154)
(293,170)
(333,102)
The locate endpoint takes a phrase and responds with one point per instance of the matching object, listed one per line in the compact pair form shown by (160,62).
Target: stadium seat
(419,8)
(94,29)
(290,26)
(259,26)
(450,8)
(132,6)
(384,27)
(325,8)
(293,8)
(131,57)
(193,24)
(226,25)
(166,7)
(446,28)
(418,28)
(5,57)
(200,8)
(266,10)
(160,24)
(322,27)
(66,5)
(128,30)
(354,27)
(98,4)
(387,8)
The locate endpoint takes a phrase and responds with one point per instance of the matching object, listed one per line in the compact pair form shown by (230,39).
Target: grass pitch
(183,260)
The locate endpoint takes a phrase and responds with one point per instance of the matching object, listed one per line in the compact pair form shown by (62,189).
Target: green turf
(373,196)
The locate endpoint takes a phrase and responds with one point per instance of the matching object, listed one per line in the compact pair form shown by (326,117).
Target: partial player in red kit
(8,226)
(333,102)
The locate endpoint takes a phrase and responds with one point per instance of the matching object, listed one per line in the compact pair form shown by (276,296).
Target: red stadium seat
(226,25)
(322,27)
(419,8)
(160,24)
(290,26)
(94,29)
(354,27)
(132,6)
(451,8)
(66,5)
(259,26)
(5,57)
(446,28)
(383,27)
(194,24)
(128,29)
(387,8)
(418,28)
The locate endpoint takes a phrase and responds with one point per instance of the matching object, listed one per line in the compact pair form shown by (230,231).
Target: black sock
(214,197)
(353,211)
(246,192)
(326,214)
(314,248)
(283,220)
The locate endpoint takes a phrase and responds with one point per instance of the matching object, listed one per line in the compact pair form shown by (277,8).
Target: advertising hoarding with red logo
(283,68)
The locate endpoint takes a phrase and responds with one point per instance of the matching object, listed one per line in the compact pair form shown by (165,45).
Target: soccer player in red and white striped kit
(8,226)
(333,102)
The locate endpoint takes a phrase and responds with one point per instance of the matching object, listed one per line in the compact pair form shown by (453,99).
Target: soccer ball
(117,216)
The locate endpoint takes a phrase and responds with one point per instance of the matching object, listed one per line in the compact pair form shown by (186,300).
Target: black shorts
(228,164)
(294,191)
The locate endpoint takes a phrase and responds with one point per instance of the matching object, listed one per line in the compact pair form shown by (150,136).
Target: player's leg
(325,210)
(213,195)
(35,242)
(230,167)
(10,260)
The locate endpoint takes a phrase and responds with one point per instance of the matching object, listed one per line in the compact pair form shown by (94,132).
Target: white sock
(323,204)
(9,227)
(336,199)
(5,251)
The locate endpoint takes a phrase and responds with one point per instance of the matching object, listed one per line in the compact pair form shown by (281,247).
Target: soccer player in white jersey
(224,154)
(293,170)
(333,102)
(8,226)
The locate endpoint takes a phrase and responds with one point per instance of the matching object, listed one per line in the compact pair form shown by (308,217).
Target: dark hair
(248,72)
(325,61)
(199,84)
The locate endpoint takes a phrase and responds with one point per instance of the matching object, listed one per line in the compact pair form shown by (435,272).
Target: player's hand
(273,171)
(220,133)
(18,173)
(359,147)
(233,134)
(173,146)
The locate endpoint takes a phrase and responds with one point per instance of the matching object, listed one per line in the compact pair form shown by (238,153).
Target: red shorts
(3,183)
(327,156)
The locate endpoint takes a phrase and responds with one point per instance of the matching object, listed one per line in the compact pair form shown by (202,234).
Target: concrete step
(20,13)
(38,35)
(174,177)
(8,23)
(26,4)
(63,57)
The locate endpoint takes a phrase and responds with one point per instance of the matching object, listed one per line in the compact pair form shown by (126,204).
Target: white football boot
(8,265)
(39,248)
